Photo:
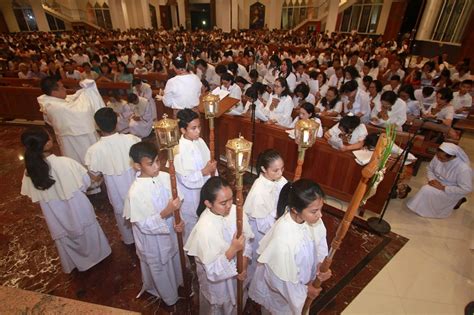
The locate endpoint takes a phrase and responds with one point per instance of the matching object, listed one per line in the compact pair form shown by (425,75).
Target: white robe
(208,242)
(124,112)
(289,254)
(146,92)
(109,156)
(260,207)
(189,161)
(141,128)
(73,119)
(70,217)
(155,238)
(431,202)
(360,106)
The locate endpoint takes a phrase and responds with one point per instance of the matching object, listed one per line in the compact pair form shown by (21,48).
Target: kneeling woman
(291,252)
(214,243)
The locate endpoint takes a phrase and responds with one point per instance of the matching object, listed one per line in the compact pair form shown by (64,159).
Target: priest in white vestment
(71,116)
(449,180)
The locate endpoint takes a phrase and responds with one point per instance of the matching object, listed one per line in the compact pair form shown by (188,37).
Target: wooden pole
(212,143)
(177,219)
(367,173)
(299,163)
(240,258)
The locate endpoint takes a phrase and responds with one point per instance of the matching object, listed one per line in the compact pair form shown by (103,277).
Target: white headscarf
(456,150)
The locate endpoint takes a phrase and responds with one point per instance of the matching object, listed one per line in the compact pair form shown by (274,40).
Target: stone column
(429,19)
(40,16)
(333,11)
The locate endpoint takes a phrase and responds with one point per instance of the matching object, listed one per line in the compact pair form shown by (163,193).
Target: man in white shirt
(462,100)
(79,57)
(356,101)
(144,90)
(183,90)
(207,72)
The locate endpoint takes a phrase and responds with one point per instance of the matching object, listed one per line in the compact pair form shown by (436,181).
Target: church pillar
(40,17)
(235,14)
(119,17)
(384,16)
(143,11)
(333,11)
(182,13)
(223,15)
(7,10)
(429,19)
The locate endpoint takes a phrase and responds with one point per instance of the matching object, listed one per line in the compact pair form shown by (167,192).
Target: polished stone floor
(28,258)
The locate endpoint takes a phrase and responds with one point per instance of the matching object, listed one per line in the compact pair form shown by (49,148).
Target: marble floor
(434,272)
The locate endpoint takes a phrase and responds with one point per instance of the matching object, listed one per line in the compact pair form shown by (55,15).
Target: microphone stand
(249,178)
(379,224)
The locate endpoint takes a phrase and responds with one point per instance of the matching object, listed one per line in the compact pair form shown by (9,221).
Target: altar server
(149,208)
(71,116)
(279,105)
(214,245)
(144,90)
(261,202)
(183,90)
(193,166)
(122,110)
(110,157)
(449,181)
(58,183)
(141,121)
(291,251)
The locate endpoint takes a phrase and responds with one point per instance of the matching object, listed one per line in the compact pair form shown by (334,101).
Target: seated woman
(306,111)
(279,105)
(392,110)
(331,104)
(407,94)
(251,97)
(347,135)
(442,111)
(302,95)
(449,182)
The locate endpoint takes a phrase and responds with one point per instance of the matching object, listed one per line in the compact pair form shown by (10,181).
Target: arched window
(362,16)
(102,15)
(24,15)
(452,20)
(294,12)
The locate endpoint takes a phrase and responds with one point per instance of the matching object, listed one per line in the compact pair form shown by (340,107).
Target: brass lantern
(305,133)
(211,105)
(238,152)
(167,132)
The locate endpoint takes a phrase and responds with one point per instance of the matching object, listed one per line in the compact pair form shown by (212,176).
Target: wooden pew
(336,172)
(19,103)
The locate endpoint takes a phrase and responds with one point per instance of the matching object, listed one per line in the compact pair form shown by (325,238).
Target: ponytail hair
(298,196)
(209,192)
(34,139)
(266,158)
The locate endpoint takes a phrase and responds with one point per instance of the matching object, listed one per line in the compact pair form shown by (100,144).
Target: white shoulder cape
(183,159)
(280,245)
(110,155)
(262,198)
(139,202)
(68,175)
(206,240)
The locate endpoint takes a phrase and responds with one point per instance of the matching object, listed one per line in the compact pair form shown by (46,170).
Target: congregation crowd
(359,80)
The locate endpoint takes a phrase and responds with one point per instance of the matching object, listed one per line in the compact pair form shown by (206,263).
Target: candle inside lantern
(168,137)
(305,136)
(240,160)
